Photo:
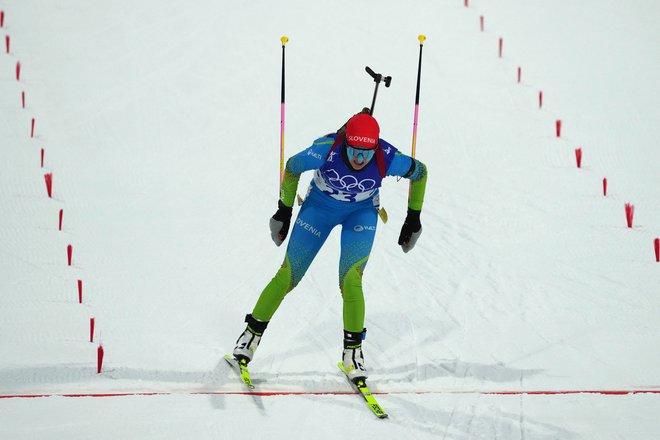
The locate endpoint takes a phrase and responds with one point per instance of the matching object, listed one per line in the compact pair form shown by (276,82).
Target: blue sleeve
(311,158)
(405,166)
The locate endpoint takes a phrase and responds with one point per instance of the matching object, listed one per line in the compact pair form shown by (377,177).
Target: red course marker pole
(519,74)
(656,244)
(99,359)
(61,216)
(540,99)
(49,183)
(2,18)
(18,71)
(501,44)
(481,23)
(32,129)
(91,329)
(23,99)
(605,187)
(578,157)
(7,43)
(69,253)
(79,291)
(558,127)
(42,157)
(630,212)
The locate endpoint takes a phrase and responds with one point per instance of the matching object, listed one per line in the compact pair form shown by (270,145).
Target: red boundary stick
(630,212)
(578,157)
(23,99)
(99,359)
(656,244)
(91,329)
(49,183)
(500,46)
(7,43)
(80,291)
(18,71)
(558,127)
(69,253)
(604,186)
(481,23)
(540,98)
(2,18)
(61,216)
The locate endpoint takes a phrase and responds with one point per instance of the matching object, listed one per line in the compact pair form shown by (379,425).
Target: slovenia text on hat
(362,131)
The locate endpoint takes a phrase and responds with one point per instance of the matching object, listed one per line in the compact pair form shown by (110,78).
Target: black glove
(279,223)
(410,231)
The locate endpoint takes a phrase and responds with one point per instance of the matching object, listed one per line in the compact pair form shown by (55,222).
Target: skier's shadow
(46,378)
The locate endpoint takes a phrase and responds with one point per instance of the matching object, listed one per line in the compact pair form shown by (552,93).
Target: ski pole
(421,39)
(377,78)
(284,40)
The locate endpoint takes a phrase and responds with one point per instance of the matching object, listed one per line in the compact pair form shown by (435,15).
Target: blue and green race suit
(337,195)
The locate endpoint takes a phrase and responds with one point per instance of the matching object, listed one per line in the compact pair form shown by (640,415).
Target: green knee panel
(351,290)
(274,293)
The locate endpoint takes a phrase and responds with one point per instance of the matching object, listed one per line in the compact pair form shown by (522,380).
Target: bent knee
(283,278)
(351,284)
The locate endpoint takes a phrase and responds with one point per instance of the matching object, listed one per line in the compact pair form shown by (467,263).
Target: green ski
(241,368)
(361,387)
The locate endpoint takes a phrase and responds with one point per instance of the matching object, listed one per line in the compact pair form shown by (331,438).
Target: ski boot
(353,359)
(249,340)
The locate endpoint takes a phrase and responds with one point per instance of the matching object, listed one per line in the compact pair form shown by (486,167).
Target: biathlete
(350,166)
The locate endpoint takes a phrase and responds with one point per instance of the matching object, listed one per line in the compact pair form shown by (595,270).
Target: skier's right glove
(279,223)
(410,231)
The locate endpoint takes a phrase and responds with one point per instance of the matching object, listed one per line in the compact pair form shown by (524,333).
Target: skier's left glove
(410,231)
(279,223)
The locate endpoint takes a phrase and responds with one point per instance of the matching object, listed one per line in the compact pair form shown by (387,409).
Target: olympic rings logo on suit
(348,182)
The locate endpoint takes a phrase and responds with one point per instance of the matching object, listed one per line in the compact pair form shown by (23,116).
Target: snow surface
(160,124)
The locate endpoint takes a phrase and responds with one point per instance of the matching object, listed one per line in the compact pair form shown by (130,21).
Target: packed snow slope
(160,123)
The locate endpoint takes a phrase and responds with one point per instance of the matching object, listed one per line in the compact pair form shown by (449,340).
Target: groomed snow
(160,124)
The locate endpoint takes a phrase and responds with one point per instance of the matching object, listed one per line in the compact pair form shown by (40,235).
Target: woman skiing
(349,167)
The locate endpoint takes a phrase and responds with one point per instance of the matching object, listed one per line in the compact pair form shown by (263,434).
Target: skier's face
(359,157)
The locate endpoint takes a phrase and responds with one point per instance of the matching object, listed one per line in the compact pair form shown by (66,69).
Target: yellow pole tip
(284,39)
(421,39)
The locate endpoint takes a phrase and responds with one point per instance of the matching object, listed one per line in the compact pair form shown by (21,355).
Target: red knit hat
(362,131)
